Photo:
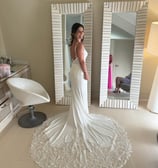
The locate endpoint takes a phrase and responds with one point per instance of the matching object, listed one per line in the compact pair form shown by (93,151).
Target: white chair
(29,93)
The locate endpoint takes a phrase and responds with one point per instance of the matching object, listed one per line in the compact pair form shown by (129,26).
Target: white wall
(150,62)
(26,29)
(2,44)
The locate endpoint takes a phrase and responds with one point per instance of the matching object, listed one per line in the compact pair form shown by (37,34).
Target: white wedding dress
(77,138)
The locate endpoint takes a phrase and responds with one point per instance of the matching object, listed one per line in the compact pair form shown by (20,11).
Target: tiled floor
(141,125)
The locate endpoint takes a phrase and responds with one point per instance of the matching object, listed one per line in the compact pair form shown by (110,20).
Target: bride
(77,138)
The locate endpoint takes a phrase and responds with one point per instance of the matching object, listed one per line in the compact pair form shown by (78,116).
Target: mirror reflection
(121,55)
(68,20)
(109,46)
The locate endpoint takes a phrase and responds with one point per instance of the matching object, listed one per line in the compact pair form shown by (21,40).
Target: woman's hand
(86,76)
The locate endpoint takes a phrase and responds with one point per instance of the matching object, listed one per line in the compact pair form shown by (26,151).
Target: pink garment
(110,77)
(4,70)
(110,73)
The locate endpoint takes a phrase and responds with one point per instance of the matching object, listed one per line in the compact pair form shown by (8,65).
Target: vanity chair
(29,93)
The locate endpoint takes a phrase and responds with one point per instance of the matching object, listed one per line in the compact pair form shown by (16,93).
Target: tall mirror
(63,17)
(124,24)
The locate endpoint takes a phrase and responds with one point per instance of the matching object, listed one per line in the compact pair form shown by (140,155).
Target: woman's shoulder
(80,46)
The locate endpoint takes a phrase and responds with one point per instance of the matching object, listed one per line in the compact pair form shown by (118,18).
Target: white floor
(122,95)
(141,125)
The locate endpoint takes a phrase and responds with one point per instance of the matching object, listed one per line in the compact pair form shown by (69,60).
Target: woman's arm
(80,55)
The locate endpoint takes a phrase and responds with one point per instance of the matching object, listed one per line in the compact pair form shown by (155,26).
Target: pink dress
(110,73)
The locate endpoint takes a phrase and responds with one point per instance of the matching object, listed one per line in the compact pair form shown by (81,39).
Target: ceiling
(123,25)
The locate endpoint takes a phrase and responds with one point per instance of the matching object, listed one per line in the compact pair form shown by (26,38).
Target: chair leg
(31,119)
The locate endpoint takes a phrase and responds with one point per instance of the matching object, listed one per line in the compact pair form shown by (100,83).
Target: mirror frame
(57,10)
(140,7)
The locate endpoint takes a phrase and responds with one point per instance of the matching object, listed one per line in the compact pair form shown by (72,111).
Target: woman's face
(79,35)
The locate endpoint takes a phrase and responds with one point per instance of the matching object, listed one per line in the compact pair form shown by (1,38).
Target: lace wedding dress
(77,138)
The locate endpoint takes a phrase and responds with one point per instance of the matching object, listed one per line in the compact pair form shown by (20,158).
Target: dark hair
(74,29)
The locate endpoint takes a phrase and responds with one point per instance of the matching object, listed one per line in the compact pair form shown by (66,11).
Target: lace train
(102,143)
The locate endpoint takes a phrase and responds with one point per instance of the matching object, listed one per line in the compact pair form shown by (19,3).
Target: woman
(78,139)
